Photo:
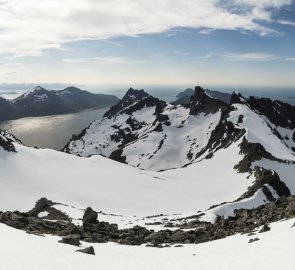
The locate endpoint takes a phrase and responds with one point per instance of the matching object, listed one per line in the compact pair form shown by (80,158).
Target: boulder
(90,216)
(265,228)
(71,239)
(253,240)
(178,236)
(88,250)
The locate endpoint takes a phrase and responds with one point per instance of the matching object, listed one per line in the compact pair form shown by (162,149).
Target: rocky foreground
(192,231)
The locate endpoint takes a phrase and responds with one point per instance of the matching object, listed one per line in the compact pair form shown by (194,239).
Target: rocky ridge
(188,230)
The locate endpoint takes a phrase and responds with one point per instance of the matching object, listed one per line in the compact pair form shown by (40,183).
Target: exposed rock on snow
(265,228)
(88,250)
(71,239)
(193,231)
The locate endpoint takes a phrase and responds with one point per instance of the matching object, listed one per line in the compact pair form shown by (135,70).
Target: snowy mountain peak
(36,91)
(132,96)
(38,88)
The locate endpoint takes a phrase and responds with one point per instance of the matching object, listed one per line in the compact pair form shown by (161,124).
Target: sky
(148,42)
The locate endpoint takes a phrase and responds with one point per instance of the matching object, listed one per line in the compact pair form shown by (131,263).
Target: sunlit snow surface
(117,188)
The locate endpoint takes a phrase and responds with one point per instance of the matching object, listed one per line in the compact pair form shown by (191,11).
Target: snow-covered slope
(150,134)
(113,187)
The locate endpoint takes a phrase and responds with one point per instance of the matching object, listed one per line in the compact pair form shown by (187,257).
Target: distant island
(42,102)
(184,97)
(8,93)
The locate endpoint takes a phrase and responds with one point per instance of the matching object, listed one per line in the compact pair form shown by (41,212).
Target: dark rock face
(7,141)
(89,217)
(41,102)
(131,96)
(251,152)
(178,236)
(202,103)
(43,205)
(237,98)
(271,178)
(279,113)
(6,111)
(88,250)
(117,155)
(223,135)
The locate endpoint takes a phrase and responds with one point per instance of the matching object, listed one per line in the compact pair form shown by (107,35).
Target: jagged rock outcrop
(202,103)
(277,112)
(7,141)
(131,96)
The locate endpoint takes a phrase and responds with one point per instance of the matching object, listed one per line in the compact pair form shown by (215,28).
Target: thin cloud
(30,27)
(256,57)
(181,53)
(286,23)
(100,60)
(206,31)
(206,56)
(291,59)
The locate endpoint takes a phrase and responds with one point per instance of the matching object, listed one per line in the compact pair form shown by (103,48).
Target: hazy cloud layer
(27,27)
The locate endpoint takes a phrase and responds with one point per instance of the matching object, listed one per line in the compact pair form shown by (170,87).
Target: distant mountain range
(42,102)
(184,97)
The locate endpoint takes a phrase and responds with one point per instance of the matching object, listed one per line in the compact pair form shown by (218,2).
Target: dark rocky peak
(236,97)
(132,96)
(4,101)
(184,97)
(38,90)
(201,102)
(279,113)
(135,95)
